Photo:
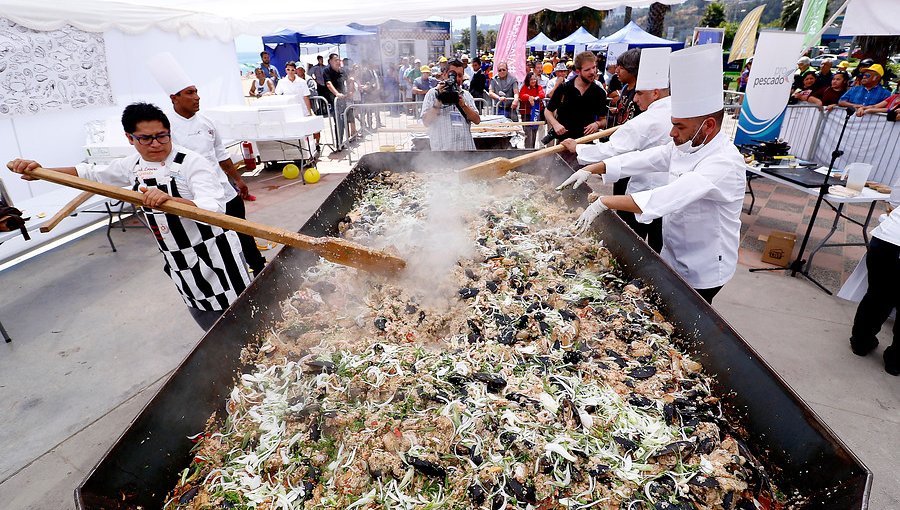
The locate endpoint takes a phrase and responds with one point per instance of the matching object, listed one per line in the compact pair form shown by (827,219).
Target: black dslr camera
(450,94)
(549,137)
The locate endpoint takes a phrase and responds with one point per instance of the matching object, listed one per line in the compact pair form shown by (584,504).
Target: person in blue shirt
(868,93)
(268,69)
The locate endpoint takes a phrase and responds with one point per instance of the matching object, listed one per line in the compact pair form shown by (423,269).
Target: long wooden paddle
(497,167)
(65,211)
(339,251)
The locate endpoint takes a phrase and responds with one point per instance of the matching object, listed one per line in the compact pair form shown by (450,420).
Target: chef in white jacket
(883,266)
(650,129)
(701,203)
(195,131)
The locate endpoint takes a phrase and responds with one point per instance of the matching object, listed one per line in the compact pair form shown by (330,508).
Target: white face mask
(687,147)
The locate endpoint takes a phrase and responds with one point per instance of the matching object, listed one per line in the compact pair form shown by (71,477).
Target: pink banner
(511,44)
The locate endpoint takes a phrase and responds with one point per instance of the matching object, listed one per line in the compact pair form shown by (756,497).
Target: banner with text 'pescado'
(511,45)
(768,86)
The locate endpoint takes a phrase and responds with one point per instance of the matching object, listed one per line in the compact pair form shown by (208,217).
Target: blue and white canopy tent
(576,41)
(540,42)
(635,37)
(284,46)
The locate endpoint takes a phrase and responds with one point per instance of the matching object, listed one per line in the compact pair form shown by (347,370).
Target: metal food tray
(799,450)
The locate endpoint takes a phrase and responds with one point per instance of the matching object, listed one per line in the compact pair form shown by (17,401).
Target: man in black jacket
(478,83)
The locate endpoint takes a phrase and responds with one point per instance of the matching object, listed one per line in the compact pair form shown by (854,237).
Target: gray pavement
(96,333)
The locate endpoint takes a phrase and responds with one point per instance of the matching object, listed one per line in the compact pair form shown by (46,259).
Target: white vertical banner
(768,86)
(614,50)
(871,17)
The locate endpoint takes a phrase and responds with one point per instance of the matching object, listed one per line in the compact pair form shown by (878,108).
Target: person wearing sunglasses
(870,92)
(205,262)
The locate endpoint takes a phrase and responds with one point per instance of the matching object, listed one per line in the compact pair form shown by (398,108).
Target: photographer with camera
(447,111)
(578,106)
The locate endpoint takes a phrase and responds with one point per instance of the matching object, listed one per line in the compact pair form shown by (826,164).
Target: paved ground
(88,355)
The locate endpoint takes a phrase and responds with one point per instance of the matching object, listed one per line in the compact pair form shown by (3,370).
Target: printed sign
(768,86)
(511,44)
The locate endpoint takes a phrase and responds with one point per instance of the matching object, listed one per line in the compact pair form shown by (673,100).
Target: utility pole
(473,38)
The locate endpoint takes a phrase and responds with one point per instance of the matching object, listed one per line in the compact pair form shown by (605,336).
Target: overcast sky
(254,43)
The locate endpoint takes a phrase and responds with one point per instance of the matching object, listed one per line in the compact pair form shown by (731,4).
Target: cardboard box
(779,248)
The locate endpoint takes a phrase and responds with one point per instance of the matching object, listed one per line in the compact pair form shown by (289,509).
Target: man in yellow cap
(423,84)
(869,92)
(444,66)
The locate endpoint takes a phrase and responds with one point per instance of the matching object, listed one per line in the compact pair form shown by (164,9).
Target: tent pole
(473,39)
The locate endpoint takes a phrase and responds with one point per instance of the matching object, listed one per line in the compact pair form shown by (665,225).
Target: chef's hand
(20,166)
(154,197)
(589,215)
(579,178)
(569,144)
(243,189)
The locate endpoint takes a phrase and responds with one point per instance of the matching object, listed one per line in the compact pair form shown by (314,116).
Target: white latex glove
(589,215)
(579,178)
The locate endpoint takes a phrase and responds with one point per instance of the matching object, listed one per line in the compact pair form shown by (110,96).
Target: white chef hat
(653,72)
(169,73)
(696,81)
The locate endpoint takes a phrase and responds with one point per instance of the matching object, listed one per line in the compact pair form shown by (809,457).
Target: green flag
(811,17)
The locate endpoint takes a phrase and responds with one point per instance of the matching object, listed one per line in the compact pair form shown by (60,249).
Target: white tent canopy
(225,19)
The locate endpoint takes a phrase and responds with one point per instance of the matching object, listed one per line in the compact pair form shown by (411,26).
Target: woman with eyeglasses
(205,262)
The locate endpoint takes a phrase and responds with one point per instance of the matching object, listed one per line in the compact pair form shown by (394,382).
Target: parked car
(816,62)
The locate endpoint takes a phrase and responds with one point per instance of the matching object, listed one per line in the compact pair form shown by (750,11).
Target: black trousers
(883,294)
(650,232)
(205,319)
(235,207)
(709,294)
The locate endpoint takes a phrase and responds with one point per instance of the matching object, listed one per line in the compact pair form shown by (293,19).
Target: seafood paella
(513,366)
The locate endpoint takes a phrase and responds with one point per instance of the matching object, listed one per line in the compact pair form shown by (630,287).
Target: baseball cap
(443,59)
(418,61)
(425,69)
(844,64)
(875,68)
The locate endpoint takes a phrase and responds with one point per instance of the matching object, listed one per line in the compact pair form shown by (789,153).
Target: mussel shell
(643,372)
(707,482)
(189,495)
(476,494)
(426,467)
(494,382)
(640,401)
(627,444)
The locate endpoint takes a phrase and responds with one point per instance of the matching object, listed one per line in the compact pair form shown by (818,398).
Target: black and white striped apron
(204,261)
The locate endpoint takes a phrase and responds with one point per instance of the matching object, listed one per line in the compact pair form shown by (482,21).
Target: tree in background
(627,15)
(490,40)
(714,15)
(878,47)
(557,25)
(656,18)
(463,44)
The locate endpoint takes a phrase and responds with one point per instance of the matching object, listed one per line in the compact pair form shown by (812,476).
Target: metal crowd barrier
(364,128)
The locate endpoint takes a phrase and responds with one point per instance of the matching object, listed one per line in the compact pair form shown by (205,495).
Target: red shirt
(525,93)
(828,95)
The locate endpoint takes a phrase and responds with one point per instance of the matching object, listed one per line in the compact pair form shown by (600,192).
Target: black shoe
(863,347)
(892,360)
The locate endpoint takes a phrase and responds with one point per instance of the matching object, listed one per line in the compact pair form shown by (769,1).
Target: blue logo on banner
(753,130)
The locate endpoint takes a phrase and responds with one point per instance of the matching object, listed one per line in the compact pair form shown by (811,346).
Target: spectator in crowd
(478,81)
(294,84)
(531,97)
(802,67)
(869,92)
(559,78)
(448,122)
(578,107)
(353,94)
(318,72)
(627,70)
(505,91)
(546,74)
(336,86)
(824,76)
(307,101)
(830,95)
(892,103)
(268,69)
(423,84)
(469,70)
(444,65)
(401,78)
(412,73)
(745,76)
(261,86)
(370,92)
(806,88)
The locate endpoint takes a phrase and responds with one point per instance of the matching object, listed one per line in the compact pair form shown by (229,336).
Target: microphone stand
(797,265)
